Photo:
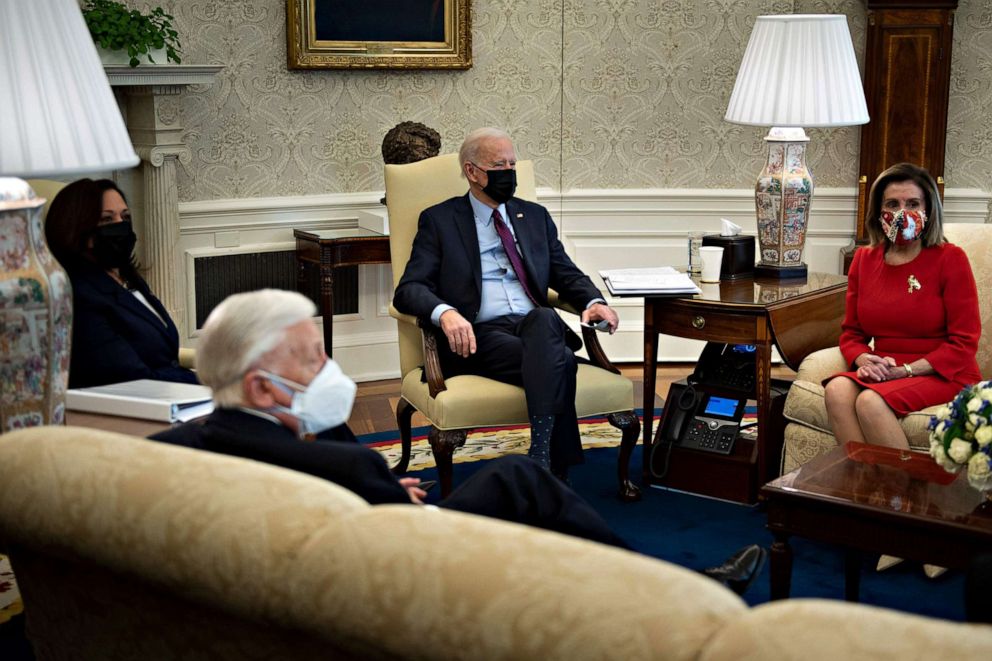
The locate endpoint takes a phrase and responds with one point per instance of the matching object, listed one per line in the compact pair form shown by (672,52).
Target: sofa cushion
(804,629)
(805,405)
(435,584)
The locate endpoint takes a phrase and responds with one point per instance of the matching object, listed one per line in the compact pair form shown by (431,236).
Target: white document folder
(654,280)
(145,398)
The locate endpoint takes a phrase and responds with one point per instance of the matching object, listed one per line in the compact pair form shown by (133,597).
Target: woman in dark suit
(120,331)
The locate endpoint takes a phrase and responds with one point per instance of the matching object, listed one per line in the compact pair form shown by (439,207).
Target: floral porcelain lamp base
(782,197)
(35,315)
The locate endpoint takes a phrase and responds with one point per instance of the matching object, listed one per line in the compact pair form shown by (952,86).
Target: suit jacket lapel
(127,301)
(465,222)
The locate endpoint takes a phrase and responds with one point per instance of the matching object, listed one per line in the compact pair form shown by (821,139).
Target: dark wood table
(797,316)
(876,500)
(330,249)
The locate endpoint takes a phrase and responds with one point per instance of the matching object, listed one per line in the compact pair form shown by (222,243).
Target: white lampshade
(799,70)
(58,116)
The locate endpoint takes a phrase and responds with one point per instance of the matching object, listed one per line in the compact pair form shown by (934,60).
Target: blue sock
(540,439)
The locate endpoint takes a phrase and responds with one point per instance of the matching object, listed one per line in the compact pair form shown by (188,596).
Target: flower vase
(35,315)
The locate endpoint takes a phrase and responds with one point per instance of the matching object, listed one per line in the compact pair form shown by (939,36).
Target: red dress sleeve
(964,323)
(853,340)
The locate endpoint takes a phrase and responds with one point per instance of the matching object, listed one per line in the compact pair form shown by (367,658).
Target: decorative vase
(781,197)
(35,315)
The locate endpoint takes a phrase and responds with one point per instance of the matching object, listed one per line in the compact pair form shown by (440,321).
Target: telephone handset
(681,415)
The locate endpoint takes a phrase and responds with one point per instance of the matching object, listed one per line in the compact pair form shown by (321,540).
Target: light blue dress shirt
(502,293)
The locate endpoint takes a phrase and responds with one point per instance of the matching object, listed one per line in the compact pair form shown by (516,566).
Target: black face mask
(113,244)
(502,184)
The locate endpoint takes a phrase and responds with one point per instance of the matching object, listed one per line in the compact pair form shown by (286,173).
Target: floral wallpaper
(601,93)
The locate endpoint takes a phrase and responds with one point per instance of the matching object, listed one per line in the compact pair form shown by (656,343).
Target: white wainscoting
(600,229)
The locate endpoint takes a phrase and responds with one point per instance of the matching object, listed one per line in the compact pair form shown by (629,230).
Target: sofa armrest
(820,364)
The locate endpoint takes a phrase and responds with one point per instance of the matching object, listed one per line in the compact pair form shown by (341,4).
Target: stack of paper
(654,280)
(144,398)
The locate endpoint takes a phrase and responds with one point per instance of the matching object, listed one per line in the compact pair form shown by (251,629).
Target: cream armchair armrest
(432,364)
(187,358)
(597,356)
(820,364)
(555,301)
(399,316)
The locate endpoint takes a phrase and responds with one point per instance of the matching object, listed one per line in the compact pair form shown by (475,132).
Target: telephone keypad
(710,435)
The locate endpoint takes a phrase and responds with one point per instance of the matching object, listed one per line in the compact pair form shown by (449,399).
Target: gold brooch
(913,283)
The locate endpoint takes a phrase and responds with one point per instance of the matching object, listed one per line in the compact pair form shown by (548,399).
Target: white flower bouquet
(961,435)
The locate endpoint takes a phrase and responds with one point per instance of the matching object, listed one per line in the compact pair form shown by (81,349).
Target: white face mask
(326,402)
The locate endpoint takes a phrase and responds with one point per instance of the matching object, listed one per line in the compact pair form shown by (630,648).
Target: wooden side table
(330,249)
(797,316)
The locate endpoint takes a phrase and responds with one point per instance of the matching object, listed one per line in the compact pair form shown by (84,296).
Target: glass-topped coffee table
(876,500)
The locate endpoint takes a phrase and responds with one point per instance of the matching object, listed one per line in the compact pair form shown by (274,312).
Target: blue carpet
(698,532)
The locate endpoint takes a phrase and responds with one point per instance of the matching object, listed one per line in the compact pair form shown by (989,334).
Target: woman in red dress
(914,295)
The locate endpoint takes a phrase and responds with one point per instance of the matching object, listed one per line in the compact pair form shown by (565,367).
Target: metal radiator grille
(218,277)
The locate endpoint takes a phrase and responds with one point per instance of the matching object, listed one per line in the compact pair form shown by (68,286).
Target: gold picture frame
(378,34)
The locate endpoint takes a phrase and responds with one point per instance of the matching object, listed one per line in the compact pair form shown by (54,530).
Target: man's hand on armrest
(461,337)
(598,311)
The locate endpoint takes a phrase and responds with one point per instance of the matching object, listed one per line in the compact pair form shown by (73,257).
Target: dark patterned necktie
(510,248)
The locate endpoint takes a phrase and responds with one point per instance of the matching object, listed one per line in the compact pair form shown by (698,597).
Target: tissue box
(738,255)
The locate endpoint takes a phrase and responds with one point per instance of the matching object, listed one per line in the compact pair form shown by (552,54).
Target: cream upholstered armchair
(807,432)
(457,405)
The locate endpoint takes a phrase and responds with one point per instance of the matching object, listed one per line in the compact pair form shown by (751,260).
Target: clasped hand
(878,368)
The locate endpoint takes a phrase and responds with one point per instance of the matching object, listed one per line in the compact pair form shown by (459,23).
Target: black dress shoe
(740,569)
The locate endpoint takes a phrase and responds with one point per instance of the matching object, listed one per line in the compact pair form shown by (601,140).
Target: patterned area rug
(10,597)
(488,443)
(493,442)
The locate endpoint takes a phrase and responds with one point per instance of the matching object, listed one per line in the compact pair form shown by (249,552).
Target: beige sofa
(129,549)
(807,432)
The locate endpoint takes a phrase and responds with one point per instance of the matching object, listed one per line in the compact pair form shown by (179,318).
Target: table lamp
(58,118)
(798,71)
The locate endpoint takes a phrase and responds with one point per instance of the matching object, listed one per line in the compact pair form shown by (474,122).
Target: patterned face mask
(903,226)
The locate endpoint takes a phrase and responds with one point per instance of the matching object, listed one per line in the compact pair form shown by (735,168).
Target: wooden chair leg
(443,444)
(404,414)
(629,424)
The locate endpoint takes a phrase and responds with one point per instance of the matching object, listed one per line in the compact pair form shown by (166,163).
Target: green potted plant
(116,28)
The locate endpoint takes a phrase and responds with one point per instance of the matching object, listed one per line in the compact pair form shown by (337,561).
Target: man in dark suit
(479,272)
(280,400)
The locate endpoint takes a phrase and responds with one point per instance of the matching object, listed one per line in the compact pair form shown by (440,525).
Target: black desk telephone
(704,411)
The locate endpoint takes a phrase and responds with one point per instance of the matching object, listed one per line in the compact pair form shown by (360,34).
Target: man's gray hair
(239,332)
(470,146)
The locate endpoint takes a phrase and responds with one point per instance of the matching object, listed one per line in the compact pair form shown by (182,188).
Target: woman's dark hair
(933,233)
(73,217)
